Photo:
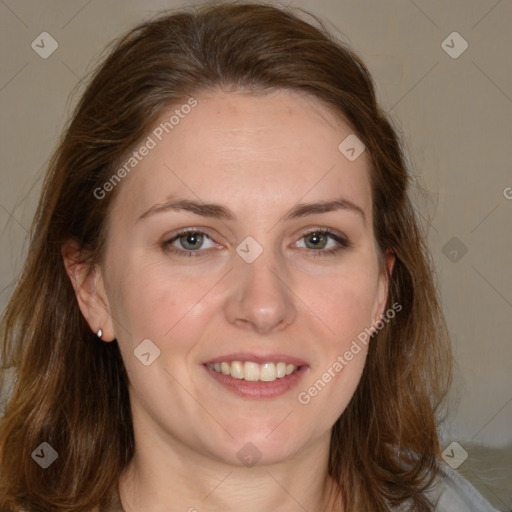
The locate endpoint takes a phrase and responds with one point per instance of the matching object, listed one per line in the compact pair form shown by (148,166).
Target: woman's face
(253,286)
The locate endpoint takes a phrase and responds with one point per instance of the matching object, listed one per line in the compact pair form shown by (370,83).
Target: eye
(191,241)
(319,239)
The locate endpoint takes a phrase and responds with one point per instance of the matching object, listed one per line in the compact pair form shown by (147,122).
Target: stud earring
(99,333)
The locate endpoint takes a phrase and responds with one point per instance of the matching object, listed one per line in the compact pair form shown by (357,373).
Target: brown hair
(71,391)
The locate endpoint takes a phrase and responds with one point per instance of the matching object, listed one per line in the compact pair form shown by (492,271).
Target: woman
(228,301)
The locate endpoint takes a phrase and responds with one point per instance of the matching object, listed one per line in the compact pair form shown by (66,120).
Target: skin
(259,156)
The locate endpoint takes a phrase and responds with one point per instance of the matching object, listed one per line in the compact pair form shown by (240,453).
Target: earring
(99,333)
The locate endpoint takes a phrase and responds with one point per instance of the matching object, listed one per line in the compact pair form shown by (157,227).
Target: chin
(258,446)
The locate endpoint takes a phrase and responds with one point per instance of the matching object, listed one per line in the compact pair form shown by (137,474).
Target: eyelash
(343,242)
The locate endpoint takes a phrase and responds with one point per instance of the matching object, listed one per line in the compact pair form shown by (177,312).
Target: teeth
(268,372)
(253,372)
(224,368)
(236,370)
(290,368)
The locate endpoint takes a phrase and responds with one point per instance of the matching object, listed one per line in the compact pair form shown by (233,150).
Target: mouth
(257,377)
(254,372)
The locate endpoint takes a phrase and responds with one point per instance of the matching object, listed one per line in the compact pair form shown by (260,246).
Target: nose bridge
(260,297)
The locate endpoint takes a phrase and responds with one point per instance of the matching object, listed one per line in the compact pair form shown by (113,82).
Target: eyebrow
(221,212)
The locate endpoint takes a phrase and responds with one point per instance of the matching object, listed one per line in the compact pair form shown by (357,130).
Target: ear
(383,287)
(89,288)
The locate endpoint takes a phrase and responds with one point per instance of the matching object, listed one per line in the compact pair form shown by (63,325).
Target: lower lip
(259,389)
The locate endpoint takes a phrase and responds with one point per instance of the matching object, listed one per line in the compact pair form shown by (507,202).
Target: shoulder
(456,493)
(451,492)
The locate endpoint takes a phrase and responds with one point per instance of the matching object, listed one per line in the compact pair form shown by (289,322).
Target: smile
(254,372)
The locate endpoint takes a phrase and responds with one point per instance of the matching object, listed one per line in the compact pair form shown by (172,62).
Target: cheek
(346,310)
(345,304)
(170,308)
(151,304)
(151,300)
(326,393)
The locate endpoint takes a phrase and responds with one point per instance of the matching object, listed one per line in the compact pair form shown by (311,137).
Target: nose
(260,298)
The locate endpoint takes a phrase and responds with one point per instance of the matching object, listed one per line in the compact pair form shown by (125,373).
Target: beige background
(456,118)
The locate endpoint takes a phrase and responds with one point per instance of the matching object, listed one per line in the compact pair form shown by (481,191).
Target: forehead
(257,153)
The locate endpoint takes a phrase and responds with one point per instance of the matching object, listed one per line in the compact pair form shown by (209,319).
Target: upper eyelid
(330,232)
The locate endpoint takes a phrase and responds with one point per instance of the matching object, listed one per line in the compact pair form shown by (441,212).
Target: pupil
(315,237)
(192,236)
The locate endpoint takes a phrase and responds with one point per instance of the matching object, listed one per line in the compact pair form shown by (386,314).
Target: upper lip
(258,358)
